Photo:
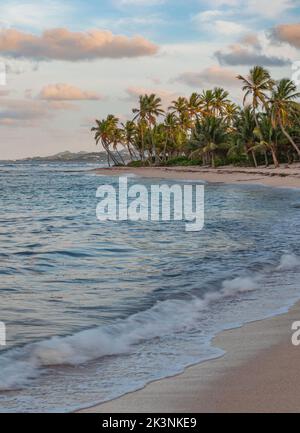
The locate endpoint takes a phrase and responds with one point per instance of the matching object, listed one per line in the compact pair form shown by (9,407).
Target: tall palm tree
(257,85)
(283,107)
(153,111)
(140,114)
(220,101)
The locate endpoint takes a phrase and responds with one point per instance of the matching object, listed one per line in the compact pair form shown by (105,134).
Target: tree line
(208,128)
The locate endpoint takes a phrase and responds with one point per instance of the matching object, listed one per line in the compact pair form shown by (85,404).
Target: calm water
(94,310)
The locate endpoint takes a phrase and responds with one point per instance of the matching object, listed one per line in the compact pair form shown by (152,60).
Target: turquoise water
(96,309)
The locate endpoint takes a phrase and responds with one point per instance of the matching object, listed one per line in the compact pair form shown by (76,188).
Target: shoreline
(258,372)
(280,178)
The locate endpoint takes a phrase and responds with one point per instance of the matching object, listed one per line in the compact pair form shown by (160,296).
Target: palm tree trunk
(274,156)
(287,135)
(254,158)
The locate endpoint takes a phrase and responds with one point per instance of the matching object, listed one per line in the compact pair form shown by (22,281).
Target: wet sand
(286,177)
(258,373)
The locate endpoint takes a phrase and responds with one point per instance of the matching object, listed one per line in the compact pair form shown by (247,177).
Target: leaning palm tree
(284,108)
(129,137)
(104,132)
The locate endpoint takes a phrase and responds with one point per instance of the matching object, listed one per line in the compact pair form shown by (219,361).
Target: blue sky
(108,51)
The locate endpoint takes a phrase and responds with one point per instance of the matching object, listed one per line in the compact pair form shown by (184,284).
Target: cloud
(269,9)
(264,8)
(241,55)
(229,27)
(289,33)
(63,44)
(66,92)
(252,40)
(214,75)
(22,112)
(27,14)
(207,16)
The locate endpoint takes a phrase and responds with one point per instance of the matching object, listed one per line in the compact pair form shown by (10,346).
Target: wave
(18,366)
(289,262)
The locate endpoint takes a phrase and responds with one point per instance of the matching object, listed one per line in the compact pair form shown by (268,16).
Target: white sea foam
(18,366)
(289,262)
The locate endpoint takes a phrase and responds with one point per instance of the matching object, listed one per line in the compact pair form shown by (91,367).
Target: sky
(68,63)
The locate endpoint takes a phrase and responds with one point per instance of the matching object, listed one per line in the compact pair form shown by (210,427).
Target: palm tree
(129,137)
(140,114)
(244,136)
(268,136)
(283,107)
(210,135)
(153,110)
(220,101)
(170,125)
(105,132)
(257,84)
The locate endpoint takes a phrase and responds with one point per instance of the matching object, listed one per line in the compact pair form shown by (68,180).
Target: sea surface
(97,309)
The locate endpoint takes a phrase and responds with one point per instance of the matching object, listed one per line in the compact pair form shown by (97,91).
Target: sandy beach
(285,176)
(259,370)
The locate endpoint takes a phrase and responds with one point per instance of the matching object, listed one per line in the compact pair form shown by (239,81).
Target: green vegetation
(209,129)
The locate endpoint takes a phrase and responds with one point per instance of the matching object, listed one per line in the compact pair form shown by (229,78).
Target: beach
(259,372)
(259,369)
(285,176)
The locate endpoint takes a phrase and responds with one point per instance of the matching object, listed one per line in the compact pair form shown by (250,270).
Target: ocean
(97,309)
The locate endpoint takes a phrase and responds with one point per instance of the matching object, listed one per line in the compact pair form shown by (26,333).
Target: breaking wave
(18,366)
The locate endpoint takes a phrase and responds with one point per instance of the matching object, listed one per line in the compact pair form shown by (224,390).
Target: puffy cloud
(289,33)
(241,55)
(66,92)
(214,75)
(63,44)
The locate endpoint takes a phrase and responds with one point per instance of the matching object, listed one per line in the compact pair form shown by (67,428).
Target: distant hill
(68,156)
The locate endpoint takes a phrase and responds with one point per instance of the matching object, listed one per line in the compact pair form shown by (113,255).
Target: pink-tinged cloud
(63,44)
(66,92)
(289,33)
(214,75)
